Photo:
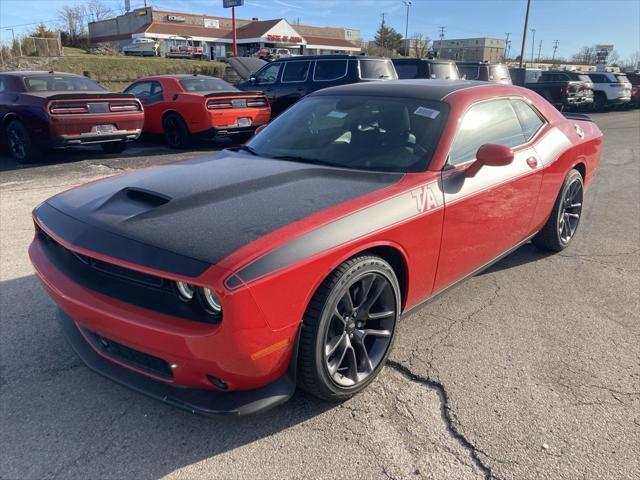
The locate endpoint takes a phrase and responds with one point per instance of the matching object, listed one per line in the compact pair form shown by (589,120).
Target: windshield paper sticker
(336,114)
(426,112)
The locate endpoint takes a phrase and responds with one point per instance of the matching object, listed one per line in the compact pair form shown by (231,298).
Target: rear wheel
(348,328)
(176,132)
(21,146)
(563,223)
(599,102)
(114,147)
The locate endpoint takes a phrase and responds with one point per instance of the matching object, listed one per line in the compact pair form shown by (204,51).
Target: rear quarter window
(470,72)
(327,70)
(295,71)
(377,70)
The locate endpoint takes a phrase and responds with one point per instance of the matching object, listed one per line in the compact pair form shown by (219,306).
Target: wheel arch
(581,167)
(170,111)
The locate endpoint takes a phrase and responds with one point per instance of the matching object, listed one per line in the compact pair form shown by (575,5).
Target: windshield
(206,84)
(62,83)
(377,70)
(470,72)
(368,133)
(444,71)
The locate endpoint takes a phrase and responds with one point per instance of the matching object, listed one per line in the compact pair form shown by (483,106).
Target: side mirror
(252,78)
(491,155)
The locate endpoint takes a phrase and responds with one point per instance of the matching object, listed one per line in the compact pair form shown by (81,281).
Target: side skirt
(428,300)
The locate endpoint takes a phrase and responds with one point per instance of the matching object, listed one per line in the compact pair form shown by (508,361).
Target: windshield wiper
(247,148)
(315,161)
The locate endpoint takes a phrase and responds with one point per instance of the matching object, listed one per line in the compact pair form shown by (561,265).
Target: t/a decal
(425,198)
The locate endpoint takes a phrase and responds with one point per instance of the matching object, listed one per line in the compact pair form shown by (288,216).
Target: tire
(176,132)
(599,102)
(20,144)
(342,349)
(114,147)
(564,220)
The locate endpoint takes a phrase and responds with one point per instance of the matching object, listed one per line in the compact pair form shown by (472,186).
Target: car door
(149,92)
(294,82)
(489,213)
(266,80)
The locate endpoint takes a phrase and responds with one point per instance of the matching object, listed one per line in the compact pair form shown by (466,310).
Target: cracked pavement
(530,370)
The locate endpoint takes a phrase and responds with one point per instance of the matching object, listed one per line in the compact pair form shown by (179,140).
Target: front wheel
(563,222)
(348,328)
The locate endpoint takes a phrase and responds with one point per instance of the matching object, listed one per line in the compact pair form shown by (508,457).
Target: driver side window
(268,74)
(494,121)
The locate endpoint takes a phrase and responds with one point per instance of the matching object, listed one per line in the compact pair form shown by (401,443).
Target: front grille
(130,286)
(129,356)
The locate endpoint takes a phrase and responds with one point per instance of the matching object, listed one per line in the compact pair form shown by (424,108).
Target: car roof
(481,63)
(419,88)
(425,60)
(330,57)
(23,73)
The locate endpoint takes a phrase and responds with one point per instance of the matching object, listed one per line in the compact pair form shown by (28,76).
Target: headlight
(210,301)
(185,290)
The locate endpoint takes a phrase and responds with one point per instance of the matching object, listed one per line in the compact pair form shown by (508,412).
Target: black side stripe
(386,213)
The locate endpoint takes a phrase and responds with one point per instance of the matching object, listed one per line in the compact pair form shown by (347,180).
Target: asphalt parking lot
(530,370)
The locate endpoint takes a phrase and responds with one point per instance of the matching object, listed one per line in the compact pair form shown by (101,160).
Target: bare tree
(613,58)
(72,21)
(420,44)
(96,10)
(586,55)
(632,62)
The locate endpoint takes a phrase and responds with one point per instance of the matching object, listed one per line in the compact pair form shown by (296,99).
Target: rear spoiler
(577,116)
(78,96)
(231,94)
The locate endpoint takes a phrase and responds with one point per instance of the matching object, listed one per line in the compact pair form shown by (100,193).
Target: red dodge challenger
(184,106)
(220,283)
(40,110)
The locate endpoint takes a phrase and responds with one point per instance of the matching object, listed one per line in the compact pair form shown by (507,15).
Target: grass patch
(119,68)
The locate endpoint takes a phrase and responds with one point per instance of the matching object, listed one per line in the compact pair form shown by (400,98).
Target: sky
(574,23)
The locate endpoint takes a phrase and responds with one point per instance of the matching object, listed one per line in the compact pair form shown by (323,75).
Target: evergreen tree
(388,38)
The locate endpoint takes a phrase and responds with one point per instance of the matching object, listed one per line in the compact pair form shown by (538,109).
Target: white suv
(610,89)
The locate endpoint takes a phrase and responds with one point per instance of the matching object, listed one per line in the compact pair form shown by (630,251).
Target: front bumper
(578,101)
(90,138)
(201,401)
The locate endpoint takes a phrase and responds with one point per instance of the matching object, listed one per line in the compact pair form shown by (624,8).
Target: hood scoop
(131,202)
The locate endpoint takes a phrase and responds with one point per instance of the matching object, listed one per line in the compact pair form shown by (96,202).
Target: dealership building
(214,34)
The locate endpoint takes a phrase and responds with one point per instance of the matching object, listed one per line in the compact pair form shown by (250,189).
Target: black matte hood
(207,208)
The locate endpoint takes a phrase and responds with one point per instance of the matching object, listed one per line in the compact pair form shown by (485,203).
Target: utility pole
(406,29)
(539,50)
(507,45)
(533,45)
(442,35)
(555,47)
(524,34)
(13,35)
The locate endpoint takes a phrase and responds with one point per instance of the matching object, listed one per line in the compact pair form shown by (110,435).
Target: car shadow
(55,406)
(149,146)
(527,253)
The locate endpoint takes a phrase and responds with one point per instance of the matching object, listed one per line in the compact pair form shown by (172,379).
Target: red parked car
(41,110)
(218,284)
(183,106)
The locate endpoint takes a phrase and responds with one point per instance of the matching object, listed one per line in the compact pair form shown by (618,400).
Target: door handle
(532,162)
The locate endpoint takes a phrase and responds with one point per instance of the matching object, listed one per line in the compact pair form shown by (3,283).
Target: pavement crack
(446,416)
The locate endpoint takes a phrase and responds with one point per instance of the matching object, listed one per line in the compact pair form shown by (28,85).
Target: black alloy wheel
(176,132)
(563,222)
(20,143)
(348,328)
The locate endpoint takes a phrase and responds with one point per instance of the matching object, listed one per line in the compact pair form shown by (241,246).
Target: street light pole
(533,45)
(406,29)
(524,34)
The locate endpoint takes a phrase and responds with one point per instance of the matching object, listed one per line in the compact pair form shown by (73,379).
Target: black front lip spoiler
(200,401)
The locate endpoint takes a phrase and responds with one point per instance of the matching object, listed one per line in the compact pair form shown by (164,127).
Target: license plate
(101,129)
(239,102)
(244,122)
